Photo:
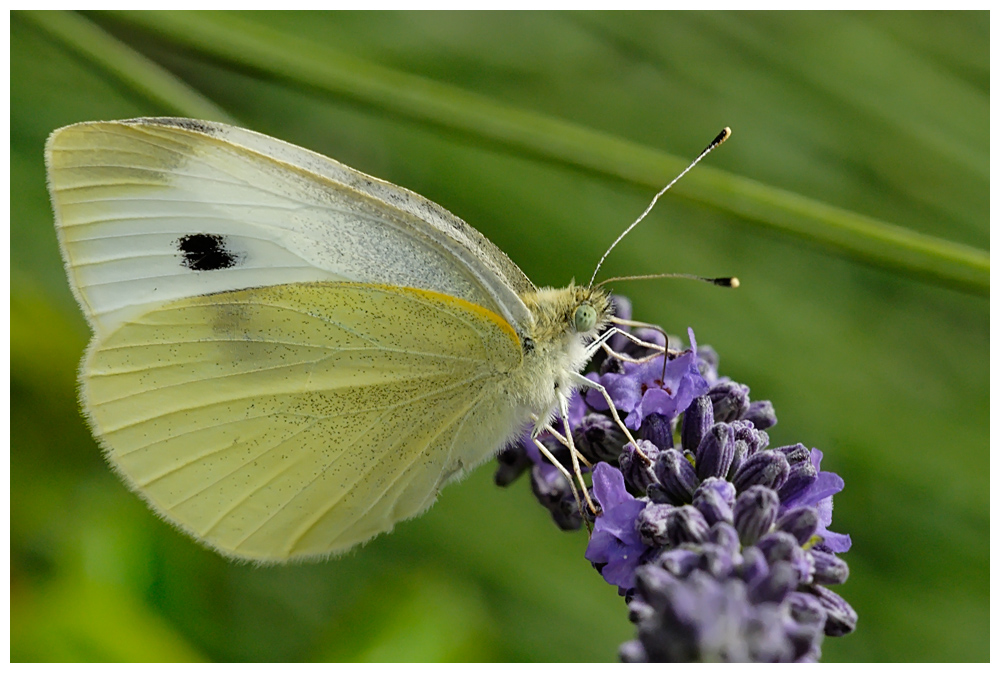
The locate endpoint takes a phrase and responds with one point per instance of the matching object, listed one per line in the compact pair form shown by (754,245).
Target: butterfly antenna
(723,135)
(727,282)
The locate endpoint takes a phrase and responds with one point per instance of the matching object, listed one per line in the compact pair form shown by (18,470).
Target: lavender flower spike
(720,544)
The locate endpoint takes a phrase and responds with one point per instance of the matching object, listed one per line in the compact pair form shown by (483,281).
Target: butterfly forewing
(156,210)
(298,420)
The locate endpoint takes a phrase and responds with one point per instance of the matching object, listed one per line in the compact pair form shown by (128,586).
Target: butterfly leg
(642,324)
(566,441)
(600,342)
(571,446)
(541,423)
(562,439)
(658,350)
(557,464)
(573,452)
(638,324)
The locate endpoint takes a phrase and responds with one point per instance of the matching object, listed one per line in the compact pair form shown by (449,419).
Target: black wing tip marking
(201,126)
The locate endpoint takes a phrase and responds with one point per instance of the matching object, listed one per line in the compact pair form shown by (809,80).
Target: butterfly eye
(584,319)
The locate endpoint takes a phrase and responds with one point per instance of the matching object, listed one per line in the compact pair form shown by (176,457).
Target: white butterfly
(290,356)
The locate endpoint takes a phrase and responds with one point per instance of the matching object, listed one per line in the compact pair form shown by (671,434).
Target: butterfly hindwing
(298,420)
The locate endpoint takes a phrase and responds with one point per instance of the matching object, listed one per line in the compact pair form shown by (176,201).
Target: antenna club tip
(734,283)
(720,139)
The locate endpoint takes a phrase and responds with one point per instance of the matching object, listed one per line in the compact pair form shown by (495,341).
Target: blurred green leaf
(426,617)
(124,64)
(77,620)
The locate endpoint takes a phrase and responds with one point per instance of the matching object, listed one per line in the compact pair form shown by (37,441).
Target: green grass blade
(144,76)
(289,58)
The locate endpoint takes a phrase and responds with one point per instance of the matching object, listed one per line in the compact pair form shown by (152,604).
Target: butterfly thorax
(554,346)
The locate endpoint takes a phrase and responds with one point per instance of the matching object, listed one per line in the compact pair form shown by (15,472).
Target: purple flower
(615,546)
(645,388)
(819,494)
(719,542)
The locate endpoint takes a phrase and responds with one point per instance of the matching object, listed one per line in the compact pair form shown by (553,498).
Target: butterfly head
(575,314)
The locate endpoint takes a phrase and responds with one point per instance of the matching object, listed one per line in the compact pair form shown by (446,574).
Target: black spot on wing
(206,252)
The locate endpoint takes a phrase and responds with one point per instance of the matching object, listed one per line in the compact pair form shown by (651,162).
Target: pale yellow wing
(299,420)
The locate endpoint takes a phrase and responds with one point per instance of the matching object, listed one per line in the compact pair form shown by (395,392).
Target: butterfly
(290,356)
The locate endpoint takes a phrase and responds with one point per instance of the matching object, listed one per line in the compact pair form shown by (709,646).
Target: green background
(852,202)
